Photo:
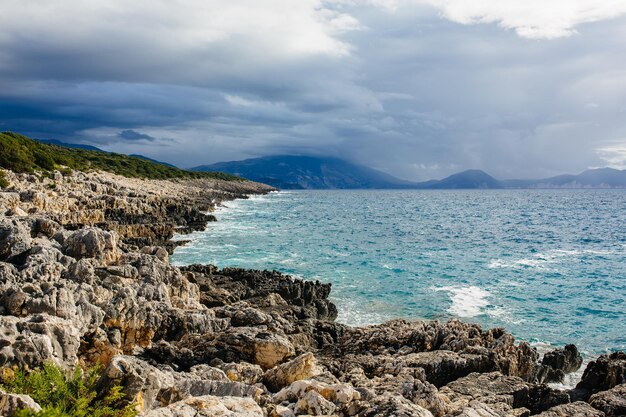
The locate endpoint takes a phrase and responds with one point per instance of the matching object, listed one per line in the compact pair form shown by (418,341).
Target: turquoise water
(550,266)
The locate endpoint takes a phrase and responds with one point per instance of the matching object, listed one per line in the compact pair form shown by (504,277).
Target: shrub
(68,395)
(4,183)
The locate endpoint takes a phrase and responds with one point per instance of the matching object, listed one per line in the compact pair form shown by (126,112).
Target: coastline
(87,278)
(384,265)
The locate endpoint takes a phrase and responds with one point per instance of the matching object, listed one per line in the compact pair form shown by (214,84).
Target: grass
(67,395)
(21,154)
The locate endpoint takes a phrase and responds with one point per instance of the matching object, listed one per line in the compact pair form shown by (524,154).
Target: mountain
(592,178)
(152,160)
(470,179)
(69,145)
(308,172)
(476,179)
(21,154)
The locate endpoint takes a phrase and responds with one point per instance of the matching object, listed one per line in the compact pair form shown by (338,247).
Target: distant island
(308,172)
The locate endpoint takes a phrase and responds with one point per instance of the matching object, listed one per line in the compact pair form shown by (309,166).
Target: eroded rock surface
(85,277)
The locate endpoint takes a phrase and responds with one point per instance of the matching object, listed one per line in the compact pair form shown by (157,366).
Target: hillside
(69,145)
(21,154)
(307,172)
(592,178)
(470,179)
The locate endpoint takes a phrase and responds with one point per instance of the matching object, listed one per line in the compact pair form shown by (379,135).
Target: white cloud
(534,19)
(238,101)
(614,155)
(277,27)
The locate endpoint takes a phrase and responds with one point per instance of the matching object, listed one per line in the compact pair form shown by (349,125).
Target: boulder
(606,372)
(576,409)
(611,402)
(339,393)
(15,239)
(271,349)
(11,404)
(242,372)
(495,388)
(557,363)
(29,342)
(92,243)
(442,366)
(313,403)
(8,201)
(302,367)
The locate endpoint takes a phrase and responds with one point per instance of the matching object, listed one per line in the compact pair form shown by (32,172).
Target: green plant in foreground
(68,395)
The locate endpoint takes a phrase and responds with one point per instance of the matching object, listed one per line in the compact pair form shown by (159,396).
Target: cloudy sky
(417,88)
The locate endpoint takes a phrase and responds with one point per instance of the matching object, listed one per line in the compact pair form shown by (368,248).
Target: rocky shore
(85,278)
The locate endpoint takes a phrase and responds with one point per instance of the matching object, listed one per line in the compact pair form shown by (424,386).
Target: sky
(417,88)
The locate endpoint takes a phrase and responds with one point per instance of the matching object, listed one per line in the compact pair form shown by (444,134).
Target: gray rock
(559,362)
(303,367)
(611,402)
(152,387)
(313,403)
(210,406)
(92,243)
(11,404)
(495,388)
(29,342)
(15,239)
(576,409)
(393,405)
(606,372)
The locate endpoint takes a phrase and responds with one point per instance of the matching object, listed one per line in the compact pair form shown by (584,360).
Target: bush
(4,183)
(68,395)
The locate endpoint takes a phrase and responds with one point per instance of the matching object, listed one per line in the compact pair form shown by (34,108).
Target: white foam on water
(466,301)
(571,379)
(539,262)
(544,260)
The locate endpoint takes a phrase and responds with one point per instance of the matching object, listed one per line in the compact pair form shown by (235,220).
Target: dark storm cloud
(387,83)
(131,135)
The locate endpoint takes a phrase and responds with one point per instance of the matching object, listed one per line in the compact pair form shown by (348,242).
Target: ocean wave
(466,301)
(544,260)
(571,379)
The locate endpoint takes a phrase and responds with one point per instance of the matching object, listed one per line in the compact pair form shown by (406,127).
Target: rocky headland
(85,278)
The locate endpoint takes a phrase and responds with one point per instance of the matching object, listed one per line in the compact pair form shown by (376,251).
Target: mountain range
(307,172)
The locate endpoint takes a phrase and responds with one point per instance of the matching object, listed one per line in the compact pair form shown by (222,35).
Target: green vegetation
(62,395)
(4,183)
(21,154)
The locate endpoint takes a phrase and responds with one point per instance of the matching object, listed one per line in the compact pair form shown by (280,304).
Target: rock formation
(85,277)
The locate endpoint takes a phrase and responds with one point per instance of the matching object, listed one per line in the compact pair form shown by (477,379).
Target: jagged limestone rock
(209,406)
(611,402)
(11,404)
(303,367)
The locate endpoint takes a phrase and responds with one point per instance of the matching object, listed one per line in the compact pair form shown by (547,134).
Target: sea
(547,265)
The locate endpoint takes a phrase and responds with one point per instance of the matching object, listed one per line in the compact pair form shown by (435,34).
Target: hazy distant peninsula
(307,172)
